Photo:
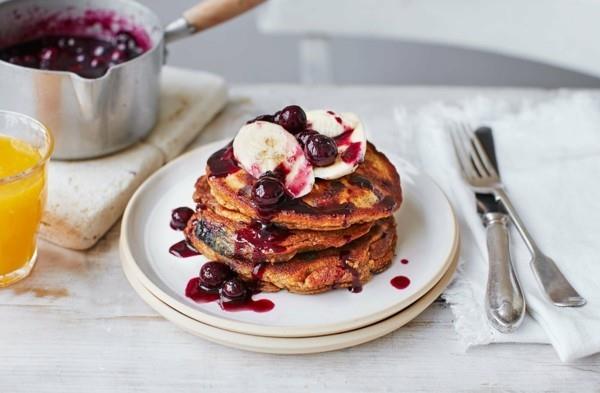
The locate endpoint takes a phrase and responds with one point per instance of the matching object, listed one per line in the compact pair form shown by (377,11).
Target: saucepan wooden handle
(210,13)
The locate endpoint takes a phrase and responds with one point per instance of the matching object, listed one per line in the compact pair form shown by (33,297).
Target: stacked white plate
(426,254)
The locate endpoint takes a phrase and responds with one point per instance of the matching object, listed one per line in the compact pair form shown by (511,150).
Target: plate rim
(301,345)
(127,257)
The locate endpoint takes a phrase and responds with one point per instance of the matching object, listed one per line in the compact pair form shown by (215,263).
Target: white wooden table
(76,325)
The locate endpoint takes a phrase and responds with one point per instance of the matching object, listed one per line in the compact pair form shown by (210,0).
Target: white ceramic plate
(427,237)
(298,345)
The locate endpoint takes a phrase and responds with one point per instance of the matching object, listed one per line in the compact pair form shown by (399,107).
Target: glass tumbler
(25,148)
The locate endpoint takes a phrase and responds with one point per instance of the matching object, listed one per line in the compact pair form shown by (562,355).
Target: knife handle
(504,302)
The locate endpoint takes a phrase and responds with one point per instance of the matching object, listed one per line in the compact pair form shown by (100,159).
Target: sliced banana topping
(262,146)
(348,132)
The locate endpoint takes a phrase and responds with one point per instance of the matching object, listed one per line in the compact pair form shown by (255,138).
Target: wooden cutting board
(85,198)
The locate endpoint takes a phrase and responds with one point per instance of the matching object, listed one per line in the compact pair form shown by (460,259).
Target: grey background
(239,52)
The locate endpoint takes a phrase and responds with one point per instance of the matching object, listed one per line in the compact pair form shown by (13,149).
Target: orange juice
(22,198)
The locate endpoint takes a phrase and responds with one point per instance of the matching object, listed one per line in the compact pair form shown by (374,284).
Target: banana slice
(348,132)
(261,146)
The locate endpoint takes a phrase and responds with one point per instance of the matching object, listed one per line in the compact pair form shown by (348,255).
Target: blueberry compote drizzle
(400,282)
(356,284)
(261,236)
(222,162)
(260,305)
(217,282)
(183,249)
(352,153)
(89,57)
(179,219)
(199,294)
(344,138)
(259,271)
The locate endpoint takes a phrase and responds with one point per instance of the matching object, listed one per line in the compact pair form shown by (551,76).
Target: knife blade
(504,301)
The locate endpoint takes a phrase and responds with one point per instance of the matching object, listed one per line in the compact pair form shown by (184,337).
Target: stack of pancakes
(336,236)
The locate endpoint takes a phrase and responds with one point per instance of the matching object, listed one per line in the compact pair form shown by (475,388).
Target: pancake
(372,192)
(241,238)
(313,272)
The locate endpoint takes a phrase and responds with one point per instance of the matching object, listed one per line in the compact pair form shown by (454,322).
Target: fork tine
(461,155)
(489,167)
(465,136)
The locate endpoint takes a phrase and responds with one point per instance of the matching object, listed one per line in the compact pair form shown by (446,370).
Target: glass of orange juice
(25,148)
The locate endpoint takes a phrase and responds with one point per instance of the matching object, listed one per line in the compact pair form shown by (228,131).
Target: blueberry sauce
(400,282)
(260,305)
(262,237)
(344,138)
(356,284)
(242,292)
(183,249)
(336,117)
(352,154)
(222,162)
(199,294)
(267,118)
(281,171)
(258,271)
(89,57)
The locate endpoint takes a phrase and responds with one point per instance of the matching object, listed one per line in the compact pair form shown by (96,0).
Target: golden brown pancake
(241,238)
(350,266)
(370,193)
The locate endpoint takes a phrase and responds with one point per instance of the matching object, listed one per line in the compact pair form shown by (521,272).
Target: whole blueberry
(267,191)
(320,150)
(292,118)
(213,274)
(180,217)
(303,136)
(234,289)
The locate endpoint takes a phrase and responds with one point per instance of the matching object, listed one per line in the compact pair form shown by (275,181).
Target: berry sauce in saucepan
(87,45)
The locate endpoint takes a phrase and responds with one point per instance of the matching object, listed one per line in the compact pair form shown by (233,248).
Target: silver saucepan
(94,117)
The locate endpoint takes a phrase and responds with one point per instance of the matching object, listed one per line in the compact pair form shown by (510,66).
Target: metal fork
(479,172)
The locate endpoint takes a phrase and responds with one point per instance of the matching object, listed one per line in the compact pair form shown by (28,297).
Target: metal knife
(504,301)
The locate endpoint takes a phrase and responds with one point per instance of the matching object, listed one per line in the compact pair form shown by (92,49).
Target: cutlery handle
(552,282)
(504,302)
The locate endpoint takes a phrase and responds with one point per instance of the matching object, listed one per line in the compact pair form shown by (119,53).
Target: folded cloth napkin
(549,158)
(85,198)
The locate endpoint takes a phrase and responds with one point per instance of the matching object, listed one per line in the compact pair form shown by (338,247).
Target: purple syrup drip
(199,294)
(356,284)
(400,282)
(183,249)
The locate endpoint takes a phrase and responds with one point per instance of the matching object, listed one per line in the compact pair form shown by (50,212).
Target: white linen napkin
(85,198)
(549,158)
